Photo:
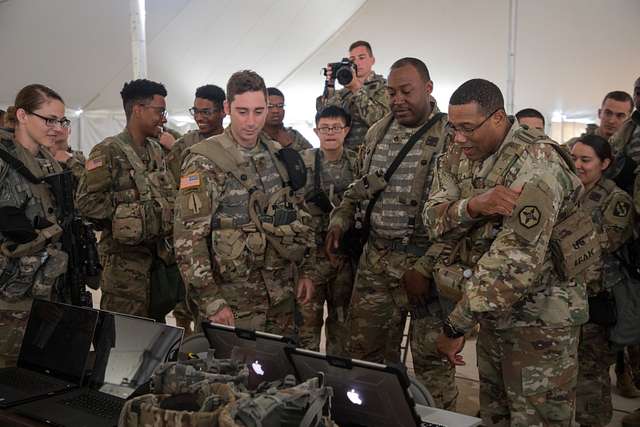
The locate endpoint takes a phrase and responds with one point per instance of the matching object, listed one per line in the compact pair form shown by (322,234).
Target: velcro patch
(96,163)
(621,209)
(190,181)
(532,210)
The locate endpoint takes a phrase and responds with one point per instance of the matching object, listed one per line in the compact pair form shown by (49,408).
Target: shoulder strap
(142,184)
(399,158)
(18,166)
(318,171)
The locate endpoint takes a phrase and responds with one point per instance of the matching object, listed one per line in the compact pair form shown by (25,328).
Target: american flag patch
(94,164)
(189,181)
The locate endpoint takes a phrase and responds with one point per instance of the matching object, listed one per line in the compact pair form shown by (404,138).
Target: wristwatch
(450,331)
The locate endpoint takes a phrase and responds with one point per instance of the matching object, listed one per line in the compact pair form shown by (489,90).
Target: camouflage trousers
(126,283)
(335,287)
(12,326)
(593,391)
(527,375)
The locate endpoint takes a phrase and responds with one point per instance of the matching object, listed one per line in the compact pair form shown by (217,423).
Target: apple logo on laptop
(257,368)
(354,397)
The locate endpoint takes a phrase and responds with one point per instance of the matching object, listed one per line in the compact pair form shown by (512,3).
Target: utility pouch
(574,245)
(450,281)
(295,167)
(321,200)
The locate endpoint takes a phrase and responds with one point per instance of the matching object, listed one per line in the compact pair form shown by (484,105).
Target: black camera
(342,71)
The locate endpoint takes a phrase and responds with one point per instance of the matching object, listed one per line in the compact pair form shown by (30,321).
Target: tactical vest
(258,222)
(405,223)
(145,213)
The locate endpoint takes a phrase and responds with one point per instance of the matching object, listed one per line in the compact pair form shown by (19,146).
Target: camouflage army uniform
(397,239)
(28,270)
(229,251)
(174,157)
(612,213)
(299,143)
(529,318)
(333,285)
(367,105)
(127,191)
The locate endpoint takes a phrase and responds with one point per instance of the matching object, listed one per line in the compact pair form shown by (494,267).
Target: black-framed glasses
(468,131)
(326,129)
(160,110)
(278,106)
(207,112)
(51,122)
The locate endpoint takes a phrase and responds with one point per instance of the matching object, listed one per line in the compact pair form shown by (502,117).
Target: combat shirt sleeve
(173,158)
(196,202)
(507,272)
(94,195)
(617,220)
(370,105)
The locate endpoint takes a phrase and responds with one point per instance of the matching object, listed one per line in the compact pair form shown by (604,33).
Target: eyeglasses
(278,106)
(51,122)
(160,110)
(207,112)
(469,131)
(326,129)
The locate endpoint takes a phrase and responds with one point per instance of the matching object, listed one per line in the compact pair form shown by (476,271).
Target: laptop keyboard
(103,405)
(27,380)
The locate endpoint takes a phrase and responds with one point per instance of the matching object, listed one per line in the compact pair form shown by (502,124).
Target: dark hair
(30,98)
(334,111)
(139,91)
(483,92)
(530,112)
(361,43)
(620,96)
(274,91)
(600,146)
(245,81)
(213,93)
(420,66)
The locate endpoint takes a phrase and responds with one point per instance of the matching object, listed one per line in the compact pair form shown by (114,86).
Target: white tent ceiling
(569,53)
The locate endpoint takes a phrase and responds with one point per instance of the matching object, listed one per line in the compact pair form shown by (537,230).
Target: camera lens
(344,75)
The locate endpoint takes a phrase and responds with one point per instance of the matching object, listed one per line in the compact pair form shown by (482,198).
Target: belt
(399,246)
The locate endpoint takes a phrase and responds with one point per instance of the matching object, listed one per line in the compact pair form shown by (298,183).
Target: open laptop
(369,394)
(53,354)
(127,351)
(263,353)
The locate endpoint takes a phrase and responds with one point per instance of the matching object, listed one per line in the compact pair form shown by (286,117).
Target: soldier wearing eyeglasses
(128,193)
(208,112)
(274,126)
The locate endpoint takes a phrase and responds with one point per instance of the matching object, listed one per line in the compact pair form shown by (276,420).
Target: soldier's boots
(631,420)
(626,386)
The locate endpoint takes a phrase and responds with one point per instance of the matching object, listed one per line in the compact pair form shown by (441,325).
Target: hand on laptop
(305,290)
(451,347)
(224,316)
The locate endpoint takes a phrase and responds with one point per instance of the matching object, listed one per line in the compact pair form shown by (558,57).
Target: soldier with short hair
(243,240)
(274,126)
(531,117)
(330,170)
(365,97)
(504,198)
(128,193)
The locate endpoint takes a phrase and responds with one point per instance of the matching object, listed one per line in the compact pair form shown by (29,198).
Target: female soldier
(31,261)
(611,210)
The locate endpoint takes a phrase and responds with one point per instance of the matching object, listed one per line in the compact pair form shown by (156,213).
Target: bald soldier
(386,285)
(504,198)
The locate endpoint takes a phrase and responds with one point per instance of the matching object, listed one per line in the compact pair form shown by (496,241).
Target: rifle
(78,241)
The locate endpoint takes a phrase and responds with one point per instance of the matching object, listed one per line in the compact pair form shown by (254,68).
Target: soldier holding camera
(363,94)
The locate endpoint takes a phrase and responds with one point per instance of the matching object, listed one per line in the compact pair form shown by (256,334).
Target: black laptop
(263,353)
(127,350)
(53,354)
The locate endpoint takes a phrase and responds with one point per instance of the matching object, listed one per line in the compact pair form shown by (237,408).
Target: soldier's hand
(329,74)
(305,290)
(500,200)
(415,283)
(166,140)
(224,316)
(331,245)
(451,348)
(355,84)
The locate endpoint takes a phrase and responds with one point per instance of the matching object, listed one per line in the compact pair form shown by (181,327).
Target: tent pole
(138,38)
(511,55)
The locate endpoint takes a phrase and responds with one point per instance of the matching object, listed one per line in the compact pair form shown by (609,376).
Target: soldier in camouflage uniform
(498,194)
(386,279)
(71,159)
(31,261)
(612,212)
(615,109)
(330,169)
(365,98)
(531,117)
(208,112)
(128,193)
(240,232)
(274,126)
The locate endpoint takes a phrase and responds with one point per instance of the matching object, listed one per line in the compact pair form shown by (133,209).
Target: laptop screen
(127,350)
(57,340)
(364,393)
(263,353)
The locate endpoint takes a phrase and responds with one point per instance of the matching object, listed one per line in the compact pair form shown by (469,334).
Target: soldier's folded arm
(94,197)
(196,201)
(508,272)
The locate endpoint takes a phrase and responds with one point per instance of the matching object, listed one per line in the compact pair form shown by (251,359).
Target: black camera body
(343,71)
